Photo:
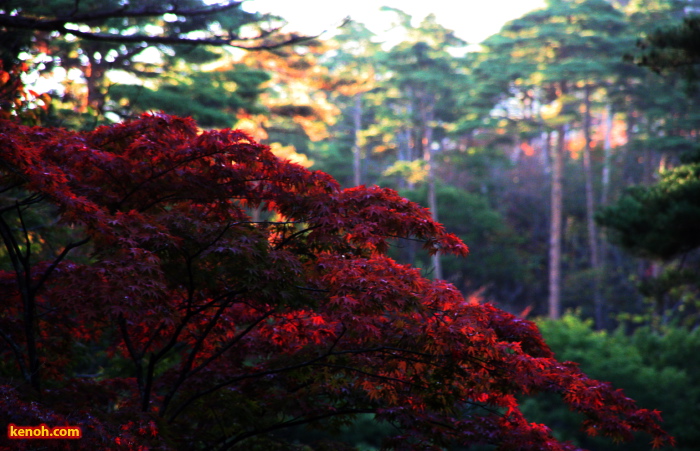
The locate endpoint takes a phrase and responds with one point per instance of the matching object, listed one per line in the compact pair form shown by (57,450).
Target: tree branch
(149,11)
(227,443)
(187,369)
(132,352)
(18,354)
(59,25)
(238,378)
(58,260)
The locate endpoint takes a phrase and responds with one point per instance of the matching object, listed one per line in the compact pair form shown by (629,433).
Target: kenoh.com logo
(43,432)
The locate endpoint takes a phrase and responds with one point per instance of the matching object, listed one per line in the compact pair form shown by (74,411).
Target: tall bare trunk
(94,73)
(356,150)
(607,155)
(428,156)
(555,230)
(590,209)
(546,154)
(605,189)
(515,157)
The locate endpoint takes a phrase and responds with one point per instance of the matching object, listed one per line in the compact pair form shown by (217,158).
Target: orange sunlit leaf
(527,149)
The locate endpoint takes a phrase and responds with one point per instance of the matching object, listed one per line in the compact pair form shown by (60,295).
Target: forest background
(569,170)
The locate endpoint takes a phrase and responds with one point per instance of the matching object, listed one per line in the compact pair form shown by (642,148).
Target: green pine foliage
(673,48)
(214,102)
(659,369)
(659,221)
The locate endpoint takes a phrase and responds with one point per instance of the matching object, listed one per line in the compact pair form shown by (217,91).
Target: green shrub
(659,370)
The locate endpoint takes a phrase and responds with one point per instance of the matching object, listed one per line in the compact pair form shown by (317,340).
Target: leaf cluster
(228,295)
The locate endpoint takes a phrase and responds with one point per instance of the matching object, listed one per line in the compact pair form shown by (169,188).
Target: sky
(472,20)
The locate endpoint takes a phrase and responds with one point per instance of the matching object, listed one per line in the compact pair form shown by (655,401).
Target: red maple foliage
(167,288)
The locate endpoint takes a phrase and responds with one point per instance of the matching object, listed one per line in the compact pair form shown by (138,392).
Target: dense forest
(563,151)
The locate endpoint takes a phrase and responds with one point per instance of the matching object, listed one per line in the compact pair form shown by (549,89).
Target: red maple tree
(167,288)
